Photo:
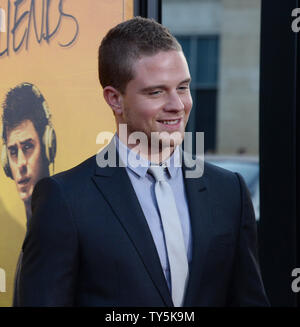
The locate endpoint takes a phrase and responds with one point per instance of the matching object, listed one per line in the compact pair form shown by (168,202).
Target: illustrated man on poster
(147,234)
(29,143)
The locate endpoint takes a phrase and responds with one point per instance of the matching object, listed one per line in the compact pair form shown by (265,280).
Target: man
(29,144)
(142,235)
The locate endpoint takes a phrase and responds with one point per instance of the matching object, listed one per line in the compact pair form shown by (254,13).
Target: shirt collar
(172,164)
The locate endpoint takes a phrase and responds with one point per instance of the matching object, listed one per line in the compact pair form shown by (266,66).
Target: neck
(146,151)
(28,209)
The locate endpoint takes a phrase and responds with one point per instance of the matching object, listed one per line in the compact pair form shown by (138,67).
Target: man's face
(25,158)
(158,98)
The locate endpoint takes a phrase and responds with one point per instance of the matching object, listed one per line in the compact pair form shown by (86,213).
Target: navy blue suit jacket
(88,243)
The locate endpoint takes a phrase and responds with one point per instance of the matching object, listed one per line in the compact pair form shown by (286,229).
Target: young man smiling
(156,100)
(142,235)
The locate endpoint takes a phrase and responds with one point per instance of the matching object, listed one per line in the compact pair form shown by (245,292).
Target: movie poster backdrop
(51,104)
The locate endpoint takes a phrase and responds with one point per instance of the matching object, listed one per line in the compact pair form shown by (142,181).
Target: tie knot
(157,172)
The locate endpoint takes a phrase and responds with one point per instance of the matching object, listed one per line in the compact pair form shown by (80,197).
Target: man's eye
(157,92)
(27,147)
(13,152)
(182,88)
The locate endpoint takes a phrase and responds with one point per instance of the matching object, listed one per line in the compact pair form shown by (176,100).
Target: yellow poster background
(68,79)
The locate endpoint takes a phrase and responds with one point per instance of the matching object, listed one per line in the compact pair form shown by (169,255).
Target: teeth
(170,122)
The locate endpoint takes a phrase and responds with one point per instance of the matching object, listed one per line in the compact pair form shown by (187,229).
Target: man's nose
(21,160)
(174,102)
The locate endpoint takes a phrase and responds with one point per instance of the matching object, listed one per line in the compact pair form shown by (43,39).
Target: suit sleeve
(50,259)
(247,286)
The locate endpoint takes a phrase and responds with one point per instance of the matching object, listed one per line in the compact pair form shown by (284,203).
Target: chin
(26,197)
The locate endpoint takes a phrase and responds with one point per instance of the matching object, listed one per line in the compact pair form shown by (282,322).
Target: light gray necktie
(173,234)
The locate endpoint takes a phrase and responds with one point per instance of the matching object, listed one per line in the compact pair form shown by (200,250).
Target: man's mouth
(169,122)
(24,181)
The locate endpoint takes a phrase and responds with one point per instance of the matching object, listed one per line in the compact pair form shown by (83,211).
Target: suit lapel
(116,188)
(201,228)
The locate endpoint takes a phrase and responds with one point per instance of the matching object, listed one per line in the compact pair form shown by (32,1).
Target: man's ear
(114,99)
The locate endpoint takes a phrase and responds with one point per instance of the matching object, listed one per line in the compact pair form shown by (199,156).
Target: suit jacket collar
(197,192)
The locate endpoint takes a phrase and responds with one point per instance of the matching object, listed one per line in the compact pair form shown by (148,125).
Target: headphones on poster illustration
(48,139)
